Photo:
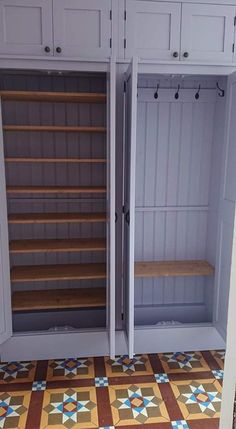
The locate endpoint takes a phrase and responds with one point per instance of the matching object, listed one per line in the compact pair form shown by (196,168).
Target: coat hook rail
(220,91)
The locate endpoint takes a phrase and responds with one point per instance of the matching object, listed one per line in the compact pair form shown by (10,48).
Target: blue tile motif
(218,374)
(180,424)
(161,378)
(101,381)
(39,385)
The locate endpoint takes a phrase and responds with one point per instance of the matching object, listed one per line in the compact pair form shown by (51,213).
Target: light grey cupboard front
(188,32)
(61,28)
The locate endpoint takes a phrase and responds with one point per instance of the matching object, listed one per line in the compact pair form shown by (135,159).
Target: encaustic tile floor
(157,391)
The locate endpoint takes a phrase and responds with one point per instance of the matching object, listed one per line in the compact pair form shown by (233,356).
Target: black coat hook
(156,93)
(198,92)
(221,92)
(177,92)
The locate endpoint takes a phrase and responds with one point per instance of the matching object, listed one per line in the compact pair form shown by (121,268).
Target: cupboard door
(111,210)
(207,33)
(26,27)
(152,30)
(5,285)
(227,257)
(130,161)
(82,28)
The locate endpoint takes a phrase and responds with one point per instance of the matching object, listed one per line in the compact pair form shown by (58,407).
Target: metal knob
(47,49)
(175,54)
(58,50)
(185,54)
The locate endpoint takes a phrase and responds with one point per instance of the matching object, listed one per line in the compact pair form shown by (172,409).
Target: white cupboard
(152,30)
(61,28)
(179,31)
(32,24)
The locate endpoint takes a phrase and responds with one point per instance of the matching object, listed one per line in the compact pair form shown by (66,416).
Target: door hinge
(125,43)
(124,91)
(116,217)
(110,42)
(110,14)
(122,316)
(125,15)
(235,21)
(233,48)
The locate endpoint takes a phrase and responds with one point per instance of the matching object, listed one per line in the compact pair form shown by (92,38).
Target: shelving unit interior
(56,197)
(178,179)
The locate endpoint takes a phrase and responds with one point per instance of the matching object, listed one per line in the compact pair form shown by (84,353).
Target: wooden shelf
(56,245)
(37,273)
(173,268)
(72,97)
(57,160)
(58,299)
(54,128)
(39,218)
(56,190)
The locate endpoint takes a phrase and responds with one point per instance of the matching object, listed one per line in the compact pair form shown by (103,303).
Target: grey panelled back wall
(46,144)
(173,185)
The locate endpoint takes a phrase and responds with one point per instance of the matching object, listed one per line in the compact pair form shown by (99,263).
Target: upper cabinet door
(207,32)
(152,30)
(26,27)
(82,28)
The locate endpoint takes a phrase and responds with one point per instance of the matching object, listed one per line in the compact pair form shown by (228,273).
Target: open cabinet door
(130,161)
(5,285)
(227,266)
(111,215)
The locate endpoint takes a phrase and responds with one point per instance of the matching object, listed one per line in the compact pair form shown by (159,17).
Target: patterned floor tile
(198,399)
(180,424)
(132,405)
(123,366)
(183,362)
(13,409)
(219,356)
(70,369)
(218,374)
(69,408)
(17,372)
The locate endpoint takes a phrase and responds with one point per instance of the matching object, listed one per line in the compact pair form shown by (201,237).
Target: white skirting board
(38,346)
(96,343)
(180,338)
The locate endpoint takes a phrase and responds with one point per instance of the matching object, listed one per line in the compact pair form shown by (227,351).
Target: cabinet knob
(58,50)
(175,54)
(185,54)
(47,49)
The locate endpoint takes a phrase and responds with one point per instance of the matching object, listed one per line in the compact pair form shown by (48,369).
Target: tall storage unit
(180,208)
(58,152)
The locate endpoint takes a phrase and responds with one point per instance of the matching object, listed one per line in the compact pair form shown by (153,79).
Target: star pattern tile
(180,390)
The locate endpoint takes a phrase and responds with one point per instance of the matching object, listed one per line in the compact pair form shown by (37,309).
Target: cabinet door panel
(5,285)
(152,29)
(207,32)
(82,28)
(111,209)
(130,161)
(25,27)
